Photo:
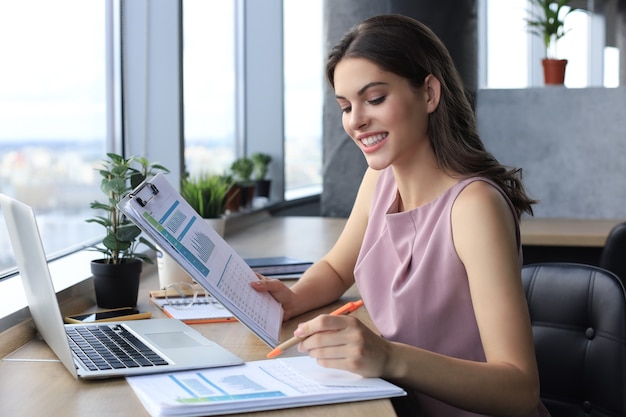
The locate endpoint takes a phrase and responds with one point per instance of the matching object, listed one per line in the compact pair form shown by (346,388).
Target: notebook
(206,309)
(174,345)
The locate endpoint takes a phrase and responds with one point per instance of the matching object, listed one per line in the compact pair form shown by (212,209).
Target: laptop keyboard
(102,347)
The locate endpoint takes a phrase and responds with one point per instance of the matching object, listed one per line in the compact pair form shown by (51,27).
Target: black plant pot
(263,188)
(247,195)
(116,285)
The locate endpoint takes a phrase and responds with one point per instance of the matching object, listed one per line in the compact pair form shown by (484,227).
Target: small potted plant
(242,168)
(116,274)
(206,193)
(549,24)
(260,162)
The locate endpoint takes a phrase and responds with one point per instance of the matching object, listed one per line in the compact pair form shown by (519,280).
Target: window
(209,85)
(304,82)
(511,57)
(53,115)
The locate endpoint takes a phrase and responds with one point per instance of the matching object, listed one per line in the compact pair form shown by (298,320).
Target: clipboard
(164,215)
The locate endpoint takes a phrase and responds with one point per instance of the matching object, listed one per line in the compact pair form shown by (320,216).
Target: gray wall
(454,21)
(570,143)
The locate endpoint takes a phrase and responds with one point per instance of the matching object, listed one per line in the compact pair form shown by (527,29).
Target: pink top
(413,283)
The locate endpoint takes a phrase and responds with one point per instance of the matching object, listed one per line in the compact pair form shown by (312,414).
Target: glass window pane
(507,49)
(304,78)
(209,85)
(574,47)
(52,115)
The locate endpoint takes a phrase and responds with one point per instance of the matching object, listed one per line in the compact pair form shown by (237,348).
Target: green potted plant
(206,193)
(116,274)
(549,24)
(260,162)
(242,169)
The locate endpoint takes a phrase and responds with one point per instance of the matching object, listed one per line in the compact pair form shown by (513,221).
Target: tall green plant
(549,22)
(119,176)
(207,194)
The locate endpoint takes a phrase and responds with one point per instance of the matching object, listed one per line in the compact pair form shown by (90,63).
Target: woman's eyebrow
(365,88)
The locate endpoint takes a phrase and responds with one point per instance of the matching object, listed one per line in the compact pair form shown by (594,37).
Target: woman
(432,241)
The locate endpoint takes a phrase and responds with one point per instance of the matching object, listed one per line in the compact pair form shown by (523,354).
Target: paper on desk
(254,386)
(161,212)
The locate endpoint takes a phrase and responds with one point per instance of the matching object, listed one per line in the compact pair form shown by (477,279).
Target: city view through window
(52,115)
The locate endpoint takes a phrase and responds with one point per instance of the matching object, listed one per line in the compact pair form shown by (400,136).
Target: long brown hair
(408,48)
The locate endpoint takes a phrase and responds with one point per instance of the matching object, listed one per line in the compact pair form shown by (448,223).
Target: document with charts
(254,386)
(160,211)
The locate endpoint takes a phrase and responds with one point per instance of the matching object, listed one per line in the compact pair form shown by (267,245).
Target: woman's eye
(376,100)
(346,109)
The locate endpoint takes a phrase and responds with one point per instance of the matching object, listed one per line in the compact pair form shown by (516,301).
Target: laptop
(164,345)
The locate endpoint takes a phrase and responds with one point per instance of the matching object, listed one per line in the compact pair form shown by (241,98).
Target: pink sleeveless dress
(414,284)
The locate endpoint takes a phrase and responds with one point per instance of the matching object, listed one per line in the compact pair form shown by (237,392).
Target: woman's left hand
(344,342)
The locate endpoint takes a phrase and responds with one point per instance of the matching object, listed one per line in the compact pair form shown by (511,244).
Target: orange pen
(346,309)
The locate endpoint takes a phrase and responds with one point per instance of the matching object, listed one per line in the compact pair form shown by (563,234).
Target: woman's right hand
(281,293)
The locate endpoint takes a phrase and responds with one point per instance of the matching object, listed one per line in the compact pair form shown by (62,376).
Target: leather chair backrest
(613,256)
(578,315)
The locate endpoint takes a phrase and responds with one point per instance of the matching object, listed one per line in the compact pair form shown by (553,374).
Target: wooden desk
(34,383)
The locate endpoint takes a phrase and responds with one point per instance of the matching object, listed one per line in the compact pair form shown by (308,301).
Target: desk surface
(34,383)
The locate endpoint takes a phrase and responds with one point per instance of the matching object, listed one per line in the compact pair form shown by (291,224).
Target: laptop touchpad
(172,340)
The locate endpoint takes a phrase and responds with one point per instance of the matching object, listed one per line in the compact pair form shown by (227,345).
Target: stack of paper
(255,386)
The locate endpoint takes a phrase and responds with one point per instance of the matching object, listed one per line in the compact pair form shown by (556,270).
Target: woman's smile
(370,141)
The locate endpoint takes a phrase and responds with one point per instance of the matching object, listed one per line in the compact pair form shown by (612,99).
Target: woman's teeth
(373,140)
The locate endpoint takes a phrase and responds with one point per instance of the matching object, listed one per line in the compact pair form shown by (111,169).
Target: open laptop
(176,345)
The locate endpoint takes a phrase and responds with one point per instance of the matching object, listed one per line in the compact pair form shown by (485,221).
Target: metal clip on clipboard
(140,201)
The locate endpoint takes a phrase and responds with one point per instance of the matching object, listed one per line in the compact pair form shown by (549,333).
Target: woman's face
(385,117)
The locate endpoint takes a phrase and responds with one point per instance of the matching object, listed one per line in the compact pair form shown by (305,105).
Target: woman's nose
(358,118)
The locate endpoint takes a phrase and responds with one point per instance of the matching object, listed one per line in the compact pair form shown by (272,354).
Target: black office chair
(578,315)
(613,256)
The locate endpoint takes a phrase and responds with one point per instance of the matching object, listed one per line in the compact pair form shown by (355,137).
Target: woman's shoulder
(482,208)
(481,196)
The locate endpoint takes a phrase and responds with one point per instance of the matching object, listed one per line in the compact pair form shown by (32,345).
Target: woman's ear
(432,87)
